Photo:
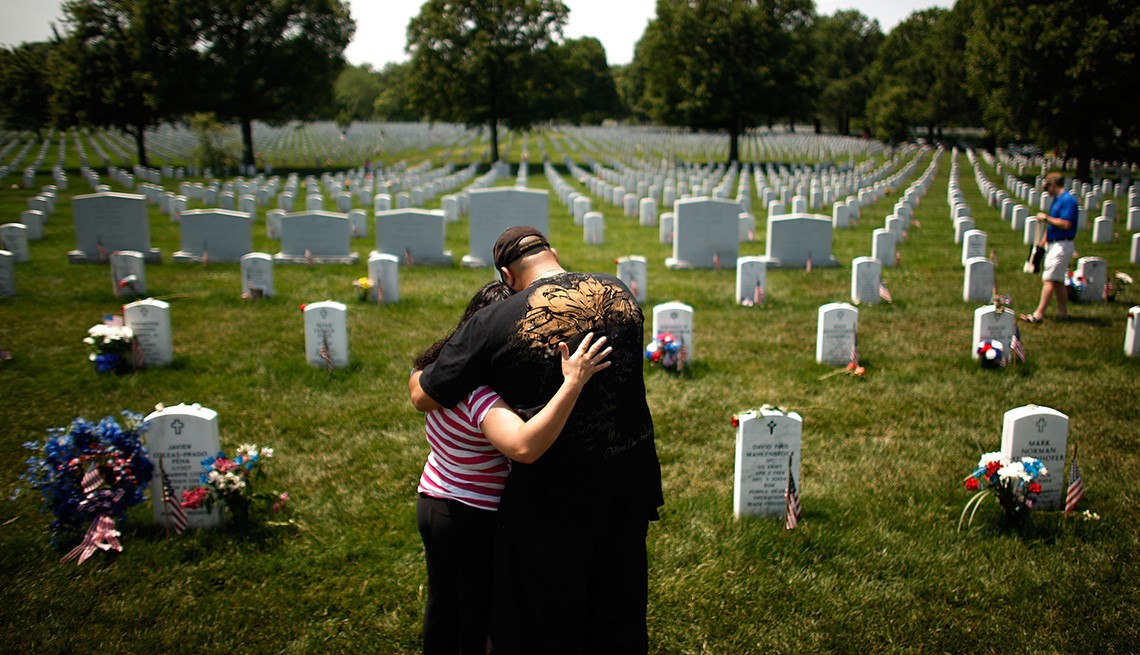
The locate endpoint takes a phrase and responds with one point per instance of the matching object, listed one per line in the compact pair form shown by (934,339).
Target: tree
(25,87)
(587,93)
(393,102)
(846,46)
(485,62)
(1062,73)
(725,64)
(357,88)
(270,60)
(123,64)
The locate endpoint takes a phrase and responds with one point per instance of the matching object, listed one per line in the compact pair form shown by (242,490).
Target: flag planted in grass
(792,509)
(170,501)
(1076,486)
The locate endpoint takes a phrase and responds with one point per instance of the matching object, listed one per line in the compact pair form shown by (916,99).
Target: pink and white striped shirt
(463,465)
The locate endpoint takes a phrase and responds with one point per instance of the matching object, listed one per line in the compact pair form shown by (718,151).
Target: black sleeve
(462,364)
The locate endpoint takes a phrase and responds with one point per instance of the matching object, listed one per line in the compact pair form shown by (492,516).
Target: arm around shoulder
(420,399)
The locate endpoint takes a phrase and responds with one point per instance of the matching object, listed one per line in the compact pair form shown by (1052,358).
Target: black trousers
(458,542)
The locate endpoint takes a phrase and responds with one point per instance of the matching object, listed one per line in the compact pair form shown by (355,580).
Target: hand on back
(588,358)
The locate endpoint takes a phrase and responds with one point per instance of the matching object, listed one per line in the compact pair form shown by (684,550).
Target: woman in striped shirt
(463,479)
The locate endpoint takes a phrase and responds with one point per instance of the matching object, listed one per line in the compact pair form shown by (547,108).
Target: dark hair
(491,293)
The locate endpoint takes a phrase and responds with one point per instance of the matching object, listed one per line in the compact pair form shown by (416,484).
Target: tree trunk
(818,126)
(246,143)
(494,125)
(733,145)
(140,144)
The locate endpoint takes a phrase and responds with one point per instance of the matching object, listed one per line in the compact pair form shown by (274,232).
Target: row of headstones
(768,441)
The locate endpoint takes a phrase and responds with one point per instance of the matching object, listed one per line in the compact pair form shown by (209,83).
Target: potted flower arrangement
(1013,483)
(90,474)
(230,480)
(111,345)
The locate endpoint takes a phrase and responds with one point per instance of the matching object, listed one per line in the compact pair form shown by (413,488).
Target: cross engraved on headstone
(324,313)
(144,311)
(177,425)
(673,315)
(1040,425)
(772,427)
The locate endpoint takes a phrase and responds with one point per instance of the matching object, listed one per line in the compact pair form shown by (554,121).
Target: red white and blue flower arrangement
(666,350)
(112,345)
(1013,483)
(230,480)
(90,474)
(991,354)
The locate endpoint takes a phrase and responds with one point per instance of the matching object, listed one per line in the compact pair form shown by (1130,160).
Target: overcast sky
(381,25)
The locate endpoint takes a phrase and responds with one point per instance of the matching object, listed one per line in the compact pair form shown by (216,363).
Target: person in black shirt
(570,574)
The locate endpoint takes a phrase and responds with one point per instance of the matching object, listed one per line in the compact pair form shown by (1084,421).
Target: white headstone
(839,215)
(896,226)
(326,333)
(765,440)
(978,282)
(1131,343)
(181,437)
(866,276)
(384,271)
(358,218)
(594,228)
(675,318)
(995,325)
(14,239)
(7,273)
(973,245)
(581,208)
(1102,230)
(1020,215)
(1134,253)
(706,233)
(414,236)
(883,247)
(34,220)
(314,203)
(647,212)
(634,271)
(128,274)
(1042,433)
(961,227)
(836,333)
(257,274)
(320,237)
(491,211)
(106,222)
(273,223)
(665,230)
(215,234)
(751,281)
(793,239)
(747,227)
(1094,271)
(150,321)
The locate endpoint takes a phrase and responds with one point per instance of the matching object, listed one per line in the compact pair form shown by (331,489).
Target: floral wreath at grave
(112,346)
(1013,484)
(90,472)
(230,480)
(666,350)
(990,353)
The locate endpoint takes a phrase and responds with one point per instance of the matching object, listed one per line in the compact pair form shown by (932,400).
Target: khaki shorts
(1057,257)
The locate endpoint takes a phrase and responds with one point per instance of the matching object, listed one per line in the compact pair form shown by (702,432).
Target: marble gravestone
(181,437)
(593,228)
(866,276)
(34,220)
(491,211)
(765,440)
(665,228)
(995,324)
(633,271)
(1094,271)
(7,274)
(150,321)
(1042,433)
(883,247)
(978,282)
(257,275)
(106,222)
(675,318)
(128,274)
(973,245)
(326,334)
(316,237)
(837,329)
(14,239)
(215,235)
(794,239)
(706,233)
(384,271)
(751,281)
(1131,343)
(414,236)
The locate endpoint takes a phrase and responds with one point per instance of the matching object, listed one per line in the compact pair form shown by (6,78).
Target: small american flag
(112,320)
(855,351)
(716,260)
(408,256)
(325,355)
(1015,345)
(308,257)
(102,250)
(633,288)
(809,263)
(993,257)
(92,478)
(792,509)
(898,258)
(379,290)
(758,294)
(1076,486)
(884,294)
(205,257)
(170,500)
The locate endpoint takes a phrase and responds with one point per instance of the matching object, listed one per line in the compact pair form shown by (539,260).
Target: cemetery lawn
(875,566)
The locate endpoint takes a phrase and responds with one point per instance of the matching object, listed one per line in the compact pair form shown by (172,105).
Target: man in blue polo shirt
(1060,231)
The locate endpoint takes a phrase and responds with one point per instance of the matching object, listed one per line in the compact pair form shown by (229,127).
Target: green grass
(876,565)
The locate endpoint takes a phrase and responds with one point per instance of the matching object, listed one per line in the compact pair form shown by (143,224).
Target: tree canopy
(485,63)
(846,44)
(25,87)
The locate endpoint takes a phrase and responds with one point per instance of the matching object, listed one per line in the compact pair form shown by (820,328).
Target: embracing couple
(543,474)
